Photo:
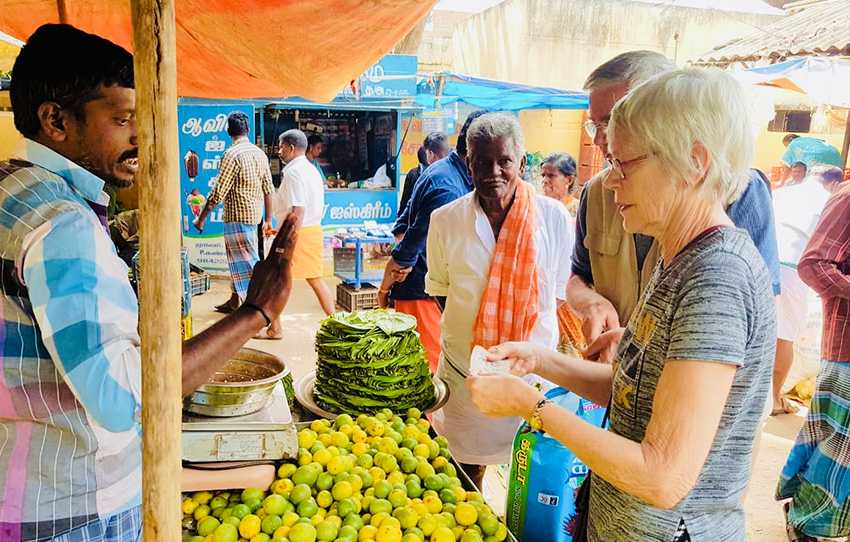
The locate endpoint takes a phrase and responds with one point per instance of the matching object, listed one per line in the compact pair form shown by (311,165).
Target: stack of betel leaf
(369,360)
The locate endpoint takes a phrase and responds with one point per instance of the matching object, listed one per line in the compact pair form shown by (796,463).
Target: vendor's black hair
(237,124)
(565,163)
(65,65)
(461,138)
(422,155)
(314,139)
(789,138)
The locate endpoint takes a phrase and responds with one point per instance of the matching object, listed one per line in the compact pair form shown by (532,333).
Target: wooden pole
(62,10)
(160,283)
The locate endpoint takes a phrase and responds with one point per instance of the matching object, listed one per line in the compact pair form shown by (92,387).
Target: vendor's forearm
(204,353)
(589,379)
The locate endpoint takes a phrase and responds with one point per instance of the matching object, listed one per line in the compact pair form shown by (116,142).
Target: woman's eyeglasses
(619,165)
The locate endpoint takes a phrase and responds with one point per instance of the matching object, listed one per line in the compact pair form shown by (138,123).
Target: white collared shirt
(460,248)
(301,186)
(797,210)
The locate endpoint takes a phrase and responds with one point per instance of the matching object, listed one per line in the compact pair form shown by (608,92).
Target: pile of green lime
(378,478)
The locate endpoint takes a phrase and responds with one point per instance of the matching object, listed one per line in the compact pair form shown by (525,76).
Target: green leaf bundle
(369,360)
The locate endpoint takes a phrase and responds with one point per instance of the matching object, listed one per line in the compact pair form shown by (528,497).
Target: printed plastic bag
(545,477)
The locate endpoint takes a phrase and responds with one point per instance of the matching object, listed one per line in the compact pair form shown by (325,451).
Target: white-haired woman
(692,373)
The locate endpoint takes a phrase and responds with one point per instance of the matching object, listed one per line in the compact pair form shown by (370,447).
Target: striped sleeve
(87,314)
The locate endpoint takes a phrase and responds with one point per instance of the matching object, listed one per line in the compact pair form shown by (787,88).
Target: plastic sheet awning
(445,88)
(249,48)
(824,80)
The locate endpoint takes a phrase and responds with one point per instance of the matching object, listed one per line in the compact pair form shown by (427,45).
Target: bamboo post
(160,284)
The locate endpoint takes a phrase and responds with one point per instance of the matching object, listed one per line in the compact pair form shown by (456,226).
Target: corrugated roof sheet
(811,29)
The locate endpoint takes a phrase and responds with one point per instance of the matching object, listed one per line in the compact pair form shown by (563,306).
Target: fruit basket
(382,477)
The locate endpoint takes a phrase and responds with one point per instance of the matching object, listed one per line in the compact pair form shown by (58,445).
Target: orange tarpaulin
(249,48)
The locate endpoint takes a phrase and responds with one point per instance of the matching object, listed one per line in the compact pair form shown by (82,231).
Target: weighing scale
(266,435)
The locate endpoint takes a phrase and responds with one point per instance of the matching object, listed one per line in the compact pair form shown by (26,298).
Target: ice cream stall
(361,134)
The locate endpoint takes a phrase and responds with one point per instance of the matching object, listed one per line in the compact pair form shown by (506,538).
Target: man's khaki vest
(612,251)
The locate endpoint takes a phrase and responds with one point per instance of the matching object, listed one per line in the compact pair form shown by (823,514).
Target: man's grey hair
(492,126)
(633,67)
(294,137)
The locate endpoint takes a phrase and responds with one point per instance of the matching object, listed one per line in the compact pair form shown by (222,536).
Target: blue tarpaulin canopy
(446,88)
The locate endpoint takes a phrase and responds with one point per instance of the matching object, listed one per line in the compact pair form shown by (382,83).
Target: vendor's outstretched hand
(525,358)
(271,281)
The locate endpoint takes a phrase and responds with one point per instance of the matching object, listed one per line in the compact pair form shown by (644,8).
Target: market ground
(301,321)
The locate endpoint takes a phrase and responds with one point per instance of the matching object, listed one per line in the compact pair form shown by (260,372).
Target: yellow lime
(271,523)
(286,470)
(208,525)
(340,440)
(433,504)
(225,533)
(367,533)
(342,490)
(250,526)
(304,457)
(324,499)
(388,533)
(189,506)
(326,531)
(281,532)
(427,524)
(302,532)
(466,514)
(442,534)
(202,497)
(306,438)
(337,465)
(325,439)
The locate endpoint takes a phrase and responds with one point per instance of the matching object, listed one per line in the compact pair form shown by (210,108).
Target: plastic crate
(200,281)
(350,299)
(187,285)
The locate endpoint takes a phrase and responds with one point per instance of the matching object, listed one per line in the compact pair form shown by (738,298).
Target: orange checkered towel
(572,337)
(509,306)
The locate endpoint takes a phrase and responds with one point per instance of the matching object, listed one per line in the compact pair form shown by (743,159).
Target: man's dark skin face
(104,140)
(495,169)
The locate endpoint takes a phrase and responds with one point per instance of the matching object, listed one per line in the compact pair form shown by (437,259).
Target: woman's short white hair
(669,113)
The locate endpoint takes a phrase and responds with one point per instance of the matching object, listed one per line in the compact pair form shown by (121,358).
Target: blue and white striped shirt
(70,385)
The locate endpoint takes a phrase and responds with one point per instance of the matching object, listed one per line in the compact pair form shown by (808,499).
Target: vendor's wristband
(261,311)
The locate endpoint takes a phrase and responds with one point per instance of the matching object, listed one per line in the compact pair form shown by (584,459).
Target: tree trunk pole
(154,38)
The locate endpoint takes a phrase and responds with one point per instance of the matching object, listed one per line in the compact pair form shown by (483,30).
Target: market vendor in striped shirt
(70,382)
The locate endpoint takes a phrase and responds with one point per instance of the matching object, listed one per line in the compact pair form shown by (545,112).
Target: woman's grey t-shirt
(714,302)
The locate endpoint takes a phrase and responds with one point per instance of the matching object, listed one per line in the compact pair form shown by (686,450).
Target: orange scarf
(509,306)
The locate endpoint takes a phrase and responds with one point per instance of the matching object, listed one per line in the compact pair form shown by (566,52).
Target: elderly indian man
(244,184)
(70,375)
(404,277)
(610,267)
(497,256)
(302,193)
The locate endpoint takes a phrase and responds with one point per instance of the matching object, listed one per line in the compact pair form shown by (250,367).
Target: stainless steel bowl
(242,386)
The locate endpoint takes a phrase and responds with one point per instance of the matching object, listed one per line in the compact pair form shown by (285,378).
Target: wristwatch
(535,421)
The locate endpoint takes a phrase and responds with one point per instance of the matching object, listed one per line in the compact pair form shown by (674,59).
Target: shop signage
(203,140)
(393,76)
(353,207)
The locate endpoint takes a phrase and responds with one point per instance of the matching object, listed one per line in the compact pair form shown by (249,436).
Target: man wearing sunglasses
(610,268)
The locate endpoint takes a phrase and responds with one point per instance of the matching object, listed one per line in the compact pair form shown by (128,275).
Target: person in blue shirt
(404,277)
